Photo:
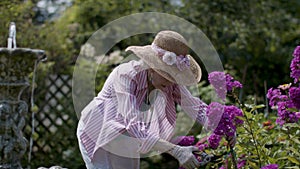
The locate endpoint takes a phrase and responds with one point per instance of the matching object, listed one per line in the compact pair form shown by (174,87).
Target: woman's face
(158,81)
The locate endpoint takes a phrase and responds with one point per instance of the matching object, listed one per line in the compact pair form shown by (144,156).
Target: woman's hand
(185,156)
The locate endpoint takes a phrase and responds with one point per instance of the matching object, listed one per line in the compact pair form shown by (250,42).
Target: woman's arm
(192,105)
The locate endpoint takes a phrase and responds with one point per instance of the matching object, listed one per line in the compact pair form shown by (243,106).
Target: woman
(135,111)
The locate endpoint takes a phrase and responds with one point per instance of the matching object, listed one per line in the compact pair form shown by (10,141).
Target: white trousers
(104,159)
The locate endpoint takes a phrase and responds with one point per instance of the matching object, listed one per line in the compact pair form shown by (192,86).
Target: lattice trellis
(54,140)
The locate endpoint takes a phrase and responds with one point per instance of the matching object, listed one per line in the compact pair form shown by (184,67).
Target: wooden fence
(54,139)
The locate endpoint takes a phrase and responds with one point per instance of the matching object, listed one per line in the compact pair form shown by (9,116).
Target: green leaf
(291,125)
(294,150)
(257,132)
(241,118)
(281,158)
(229,163)
(252,164)
(296,140)
(292,110)
(294,160)
(272,160)
(257,107)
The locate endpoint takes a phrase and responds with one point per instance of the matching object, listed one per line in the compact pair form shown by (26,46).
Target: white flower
(169,58)
(87,50)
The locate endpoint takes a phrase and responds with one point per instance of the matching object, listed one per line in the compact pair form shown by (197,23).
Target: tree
(255,37)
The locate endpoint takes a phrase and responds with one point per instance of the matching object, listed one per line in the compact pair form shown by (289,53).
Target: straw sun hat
(168,56)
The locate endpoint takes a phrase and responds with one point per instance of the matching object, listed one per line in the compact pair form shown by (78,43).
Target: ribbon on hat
(170,58)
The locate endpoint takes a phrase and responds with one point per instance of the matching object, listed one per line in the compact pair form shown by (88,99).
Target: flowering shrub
(222,119)
(264,140)
(230,115)
(286,98)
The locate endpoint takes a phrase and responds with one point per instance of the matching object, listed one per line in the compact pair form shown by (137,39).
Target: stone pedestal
(15,67)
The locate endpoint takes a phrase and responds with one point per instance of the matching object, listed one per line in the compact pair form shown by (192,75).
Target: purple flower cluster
(275,96)
(218,81)
(214,141)
(286,98)
(241,163)
(214,113)
(233,111)
(270,166)
(285,115)
(202,147)
(231,83)
(294,94)
(285,103)
(295,65)
(188,141)
(222,83)
(224,118)
(185,140)
(201,144)
(226,126)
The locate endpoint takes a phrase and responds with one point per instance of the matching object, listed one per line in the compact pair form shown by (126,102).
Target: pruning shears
(209,158)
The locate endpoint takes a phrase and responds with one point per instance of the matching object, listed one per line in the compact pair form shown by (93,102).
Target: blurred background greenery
(254,39)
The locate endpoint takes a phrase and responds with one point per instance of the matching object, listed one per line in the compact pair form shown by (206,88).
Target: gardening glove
(185,156)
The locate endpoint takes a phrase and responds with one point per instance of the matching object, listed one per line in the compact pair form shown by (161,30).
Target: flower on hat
(169,58)
(183,62)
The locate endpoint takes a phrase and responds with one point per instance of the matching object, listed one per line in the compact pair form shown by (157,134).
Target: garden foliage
(264,140)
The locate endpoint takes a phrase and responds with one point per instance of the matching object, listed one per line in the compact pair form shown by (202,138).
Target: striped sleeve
(126,87)
(193,106)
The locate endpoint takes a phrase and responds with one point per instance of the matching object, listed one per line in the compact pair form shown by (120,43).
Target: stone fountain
(16,64)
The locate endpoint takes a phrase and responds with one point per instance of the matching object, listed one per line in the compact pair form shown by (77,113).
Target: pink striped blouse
(118,109)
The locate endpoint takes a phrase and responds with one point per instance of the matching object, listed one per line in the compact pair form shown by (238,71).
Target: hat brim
(185,77)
